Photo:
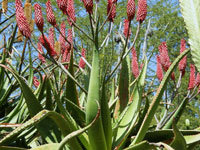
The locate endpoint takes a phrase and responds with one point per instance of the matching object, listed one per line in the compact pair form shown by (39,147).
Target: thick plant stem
(95,133)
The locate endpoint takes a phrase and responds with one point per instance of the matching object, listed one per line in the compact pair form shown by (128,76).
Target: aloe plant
(64,99)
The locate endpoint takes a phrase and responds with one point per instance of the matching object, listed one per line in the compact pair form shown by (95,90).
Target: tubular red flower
(45,43)
(198,79)
(62,4)
(40,57)
(66,58)
(164,57)
(50,15)
(51,36)
(21,20)
(82,62)
(69,39)
(62,37)
(71,12)
(39,21)
(36,83)
(191,84)
(113,11)
(142,10)
(182,64)
(173,76)
(135,68)
(159,71)
(130,9)
(126,26)
(88,5)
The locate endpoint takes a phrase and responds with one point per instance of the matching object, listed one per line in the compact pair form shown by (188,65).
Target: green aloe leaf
(71,93)
(156,100)
(192,139)
(179,141)
(123,85)
(106,118)
(177,114)
(78,132)
(34,107)
(95,133)
(11,148)
(49,100)
(53,146)
(144,145)
(129,120)
(190,10)
(167,134)
(63,124)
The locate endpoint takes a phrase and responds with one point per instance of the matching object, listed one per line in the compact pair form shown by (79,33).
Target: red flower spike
(64,56)
(142,10)
(21,20)
(135,68)
(198,79)
(45,43)
(113,11)
(192,77)
(159,71)
(40,57)
(62,4)
(164,57)
(50,15)
(126,25)
(39,21)
(71,12)
(51,36)
(82,62)
(88,6)
(69,39)
(130,9)
(182,64)
(36,83)
(62,37)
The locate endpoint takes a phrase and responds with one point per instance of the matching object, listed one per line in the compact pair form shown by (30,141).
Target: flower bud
(182,64)
(36,83)
(62,37)
(50,15)
(39,21)
(71,12)
(88,5)
(21,20)
(62,4)
(111,13)
(4,6)
(70,40)
(51,36)
(126,26)
(191,84)
(45,43)
(159,71)
(198,79)
(40,57)
(164,57)
(130,9)
(142,10)
(82,62)
(28,12)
